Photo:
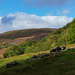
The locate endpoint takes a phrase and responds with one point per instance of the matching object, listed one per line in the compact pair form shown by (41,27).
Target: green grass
(60,64)
(4,61)
(20,57)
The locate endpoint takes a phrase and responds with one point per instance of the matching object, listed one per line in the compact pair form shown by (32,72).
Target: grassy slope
(19,57)
(60,64)
(57,38)
(25,56)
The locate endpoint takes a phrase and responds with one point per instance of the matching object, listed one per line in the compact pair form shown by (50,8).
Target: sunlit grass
(24,56)
(71,45)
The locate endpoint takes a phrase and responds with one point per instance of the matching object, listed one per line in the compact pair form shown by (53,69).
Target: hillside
(62,63)
(17,36)
(25,33)
(62,36)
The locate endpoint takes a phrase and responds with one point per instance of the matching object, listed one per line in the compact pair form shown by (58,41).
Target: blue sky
(43,10)
(13,6)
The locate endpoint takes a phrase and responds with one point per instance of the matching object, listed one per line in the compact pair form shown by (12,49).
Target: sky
(27,14)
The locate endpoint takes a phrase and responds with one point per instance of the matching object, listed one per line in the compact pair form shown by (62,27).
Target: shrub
(58,31)
(5,44)
(0,47)
(71,35)
(11,51)
(19,49)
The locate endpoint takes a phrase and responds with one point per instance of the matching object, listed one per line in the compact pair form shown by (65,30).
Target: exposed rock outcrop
(58,49)
(11,64)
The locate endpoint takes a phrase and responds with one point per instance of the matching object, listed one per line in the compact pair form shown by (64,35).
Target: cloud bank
(25,21)
(48,3)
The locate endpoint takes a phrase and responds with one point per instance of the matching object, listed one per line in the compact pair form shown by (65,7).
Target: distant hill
(25,33)
(17,36)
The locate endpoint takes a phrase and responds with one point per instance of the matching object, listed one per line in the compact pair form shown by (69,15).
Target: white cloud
(66,11)
(24,21)
(0,19)
(63,12)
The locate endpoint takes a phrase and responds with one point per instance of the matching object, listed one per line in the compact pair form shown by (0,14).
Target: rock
(44,54)
(63,47)
(15,63)
(25,60)
(53,50)
(68,49)
(56,49)
(34,56)
(11,64)
(8,65)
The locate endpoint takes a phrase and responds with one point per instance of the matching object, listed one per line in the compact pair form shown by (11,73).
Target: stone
(63,47)
(8,65)
(44,54)
(34,56)
(11,64)
(56,49)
